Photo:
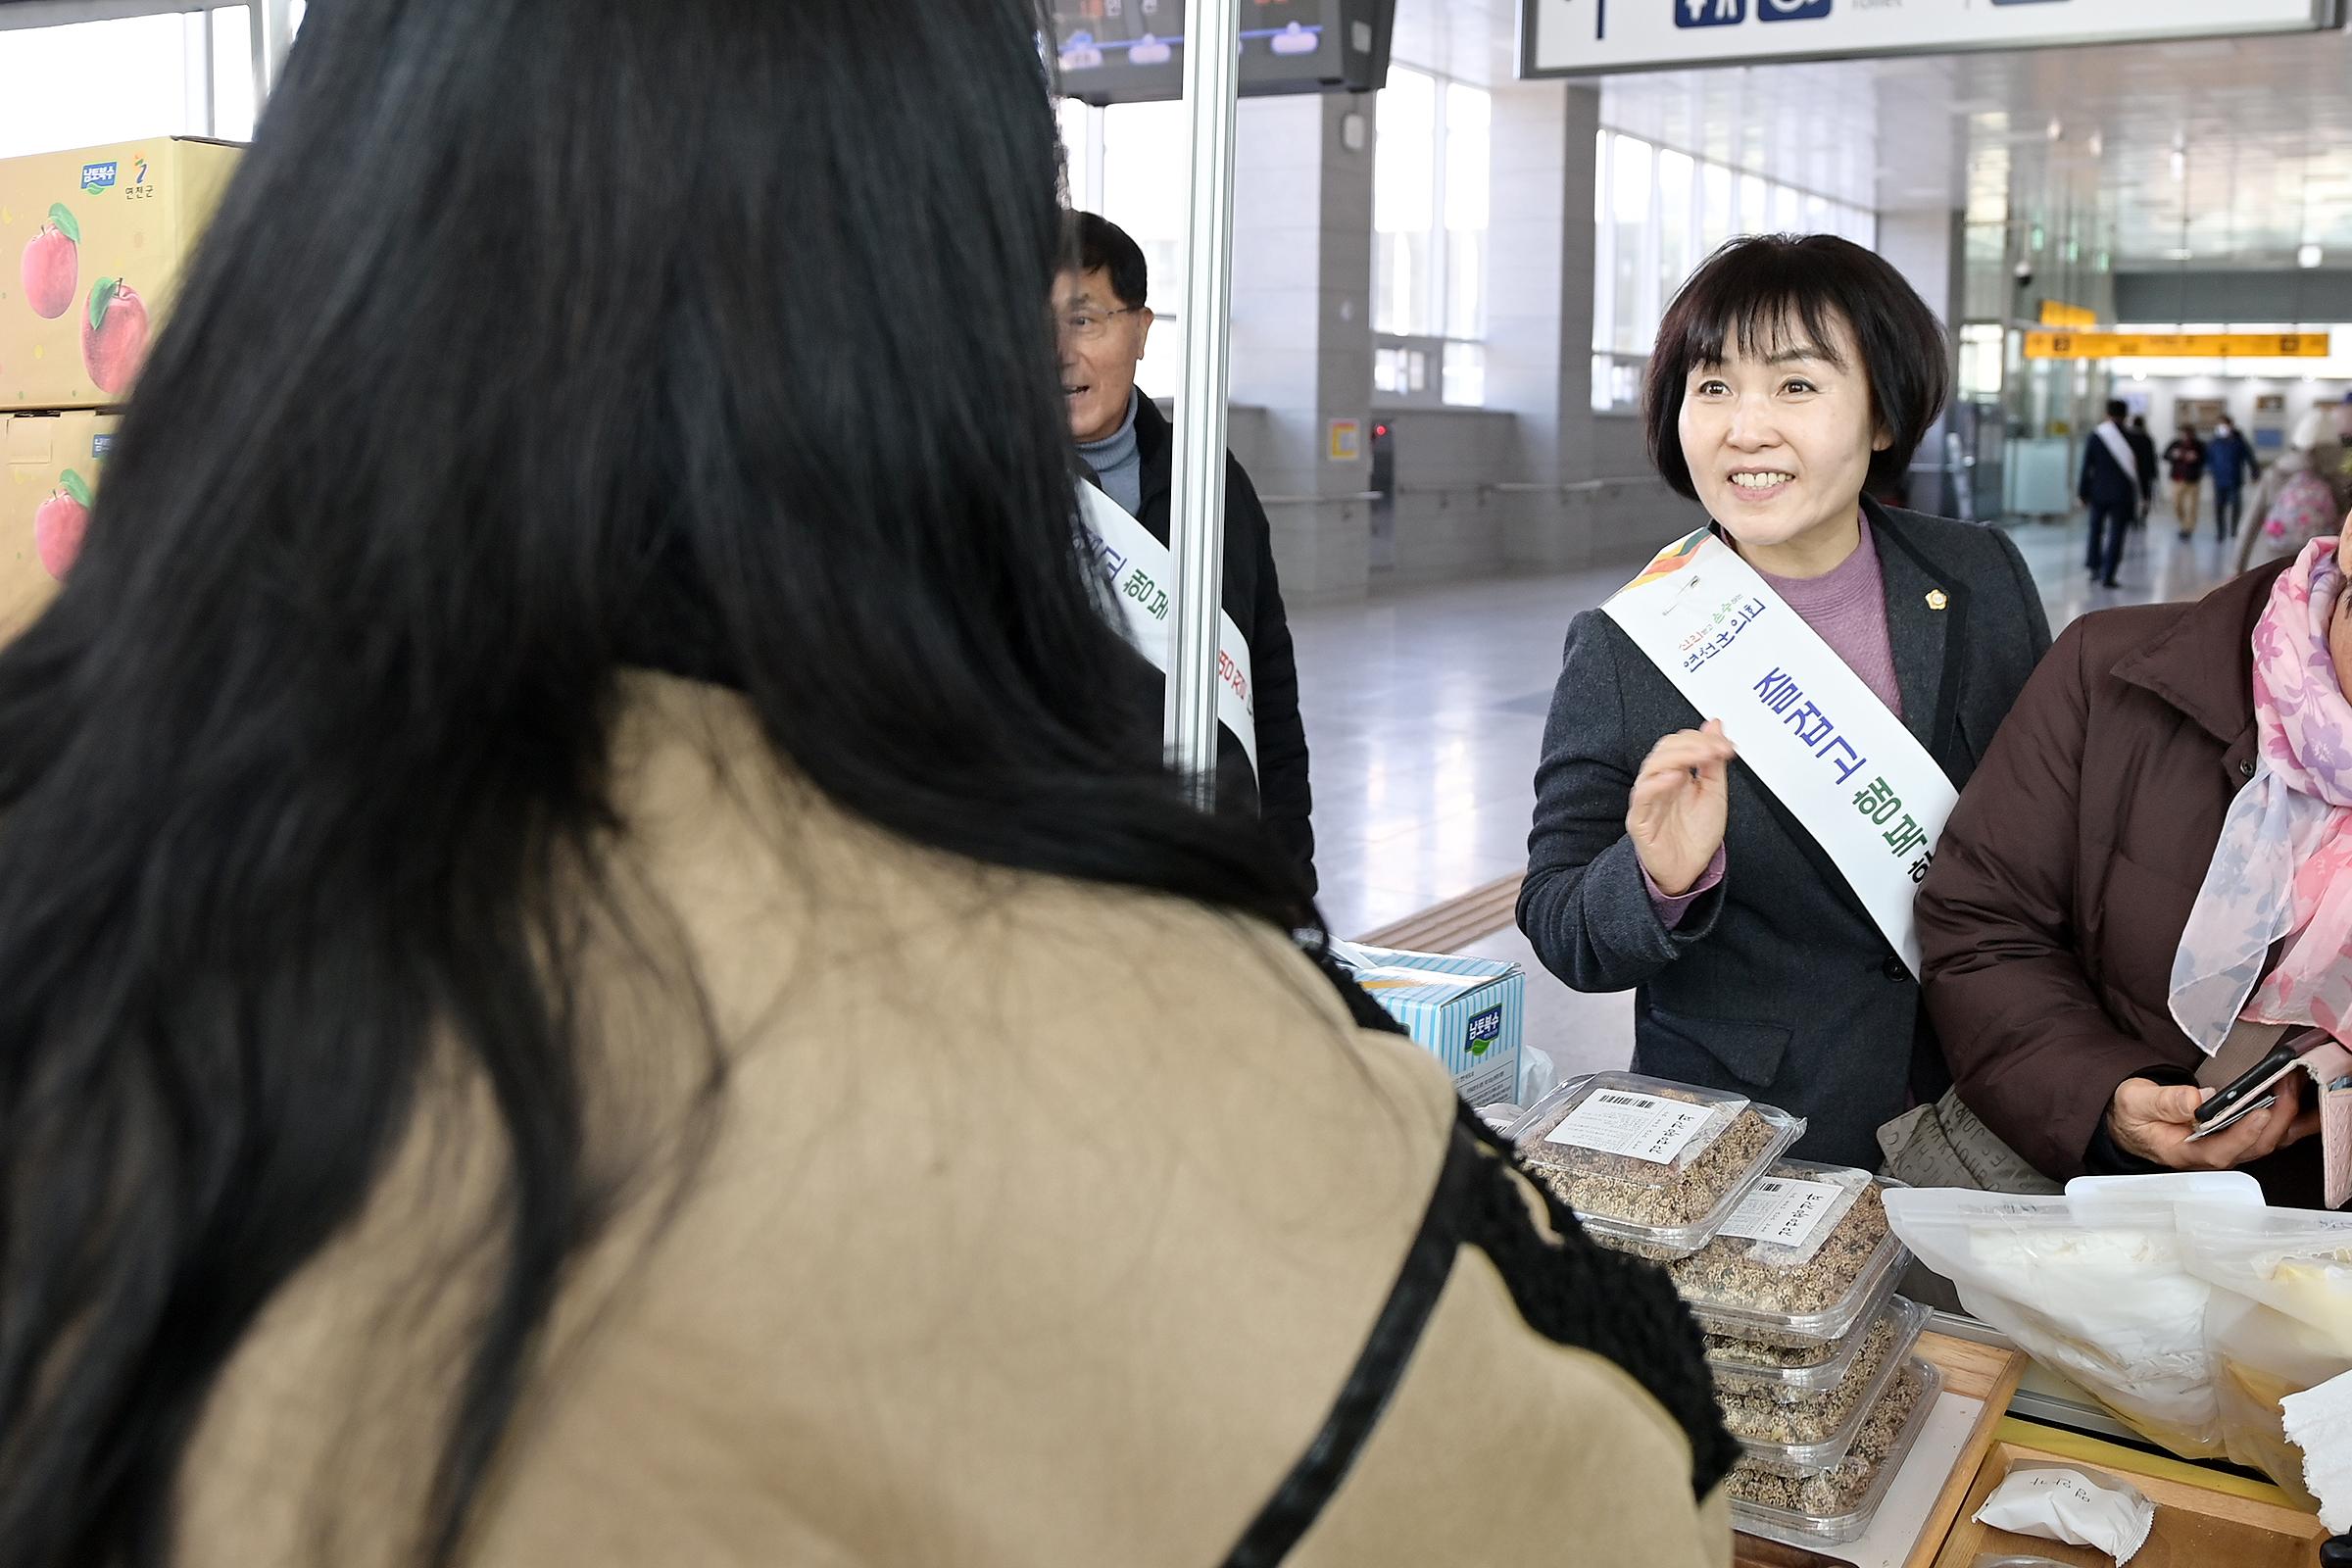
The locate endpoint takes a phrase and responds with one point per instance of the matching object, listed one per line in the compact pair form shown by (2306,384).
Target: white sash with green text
(1141,572)
(1822,741)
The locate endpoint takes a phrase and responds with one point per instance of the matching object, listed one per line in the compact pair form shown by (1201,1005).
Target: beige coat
(1040,1225)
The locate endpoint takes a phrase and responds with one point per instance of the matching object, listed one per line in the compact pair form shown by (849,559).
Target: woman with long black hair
(594,977)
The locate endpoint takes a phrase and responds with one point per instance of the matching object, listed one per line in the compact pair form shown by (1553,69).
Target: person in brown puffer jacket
(2079,855)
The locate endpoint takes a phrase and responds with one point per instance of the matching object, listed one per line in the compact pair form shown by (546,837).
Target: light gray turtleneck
(1118,462)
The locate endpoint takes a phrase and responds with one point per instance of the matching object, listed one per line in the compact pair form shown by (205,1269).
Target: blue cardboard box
(1470,1013)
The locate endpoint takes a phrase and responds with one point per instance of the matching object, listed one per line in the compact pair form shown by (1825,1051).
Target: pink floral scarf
(2284,868)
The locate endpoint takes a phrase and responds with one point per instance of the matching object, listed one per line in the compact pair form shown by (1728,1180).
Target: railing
(1490,487)
(1316,501)
(1481,487)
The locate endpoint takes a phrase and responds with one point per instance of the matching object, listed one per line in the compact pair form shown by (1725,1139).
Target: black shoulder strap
(1568,1289)
(1428,1263)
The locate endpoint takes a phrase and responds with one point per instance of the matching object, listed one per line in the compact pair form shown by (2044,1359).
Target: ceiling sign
(1589,37)
(2176,345)
(2055,313)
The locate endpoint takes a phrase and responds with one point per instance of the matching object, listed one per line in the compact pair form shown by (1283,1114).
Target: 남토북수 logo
(1485,1030)
(96,178)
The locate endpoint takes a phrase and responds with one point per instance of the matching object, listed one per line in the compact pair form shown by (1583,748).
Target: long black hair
(535,339)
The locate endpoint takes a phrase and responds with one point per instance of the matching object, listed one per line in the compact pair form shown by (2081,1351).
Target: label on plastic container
(1618,1121)
(1783,1211)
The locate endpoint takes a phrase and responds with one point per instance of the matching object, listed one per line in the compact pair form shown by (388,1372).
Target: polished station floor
(1425,711)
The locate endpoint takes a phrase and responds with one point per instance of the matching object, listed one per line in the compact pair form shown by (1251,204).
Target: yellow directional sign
(2176,345)
(2055,313)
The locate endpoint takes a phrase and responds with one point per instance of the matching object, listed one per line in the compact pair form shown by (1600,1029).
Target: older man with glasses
(1104,322)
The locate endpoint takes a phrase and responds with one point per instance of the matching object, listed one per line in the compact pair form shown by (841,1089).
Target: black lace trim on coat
(1570,1291)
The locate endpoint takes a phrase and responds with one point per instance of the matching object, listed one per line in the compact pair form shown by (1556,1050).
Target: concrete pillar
(1929,248)
(1540,272)
(1303,332)
(1584,500)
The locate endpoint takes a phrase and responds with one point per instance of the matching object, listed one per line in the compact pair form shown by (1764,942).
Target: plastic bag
(2096,1288)
(1538,1074)
(2280,1323)
(2294,1261)
(2262,1356)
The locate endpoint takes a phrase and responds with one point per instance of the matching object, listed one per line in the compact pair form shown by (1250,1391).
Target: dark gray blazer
(1775,984)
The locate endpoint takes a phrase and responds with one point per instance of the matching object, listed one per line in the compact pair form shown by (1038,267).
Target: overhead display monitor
(1132,51)
(1593,37)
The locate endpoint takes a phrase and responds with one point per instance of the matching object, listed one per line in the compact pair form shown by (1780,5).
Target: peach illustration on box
(52,265)
(113,335)
(60,523)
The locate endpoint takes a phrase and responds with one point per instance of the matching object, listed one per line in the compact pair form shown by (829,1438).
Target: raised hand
(1679,805)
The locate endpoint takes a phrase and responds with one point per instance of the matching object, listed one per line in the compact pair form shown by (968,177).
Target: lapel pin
(1937,599)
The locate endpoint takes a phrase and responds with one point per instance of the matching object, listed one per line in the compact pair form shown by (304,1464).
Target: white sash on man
(1141,570)
(1822,741)
(2120,450)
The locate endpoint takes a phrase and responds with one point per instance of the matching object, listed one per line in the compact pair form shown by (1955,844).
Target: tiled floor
(1425,711)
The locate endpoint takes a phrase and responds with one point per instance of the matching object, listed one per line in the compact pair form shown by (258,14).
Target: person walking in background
(2231,460)
(2302,496)
(2109,486)
(2186,457)
(2143,453)
(1104,323)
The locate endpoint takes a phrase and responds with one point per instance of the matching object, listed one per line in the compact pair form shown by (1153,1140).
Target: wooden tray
(1976,1372)
(2204,1518)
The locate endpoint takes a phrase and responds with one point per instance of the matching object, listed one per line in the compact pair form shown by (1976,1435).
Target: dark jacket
(1282,797)
(2058,898)
(2105,483)
(2231,460)
(2143,447)
(1777,983)
(2103,480)
(2186,454)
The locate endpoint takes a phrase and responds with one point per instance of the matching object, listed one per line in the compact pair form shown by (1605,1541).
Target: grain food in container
(1649,1166)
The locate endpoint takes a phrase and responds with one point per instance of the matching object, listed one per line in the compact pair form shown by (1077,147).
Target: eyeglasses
(1090,326)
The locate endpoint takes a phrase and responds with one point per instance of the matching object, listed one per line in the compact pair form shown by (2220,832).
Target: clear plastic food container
(1808,1256)
(1649,1166)
(1810,1366)
(1812,1431)
(1813,1367)
(1835,1505)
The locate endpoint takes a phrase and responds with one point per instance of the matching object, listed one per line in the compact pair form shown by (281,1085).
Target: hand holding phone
(2158,1122)
(2249,1091)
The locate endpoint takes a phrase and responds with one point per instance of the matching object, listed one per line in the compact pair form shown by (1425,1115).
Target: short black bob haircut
(1756,287)
(1093,243)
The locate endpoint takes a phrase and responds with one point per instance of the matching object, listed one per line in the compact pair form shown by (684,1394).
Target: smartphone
(2237,1114)
(2250,1091)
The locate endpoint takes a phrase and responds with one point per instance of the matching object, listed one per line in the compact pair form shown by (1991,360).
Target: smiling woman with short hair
(1792,377)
